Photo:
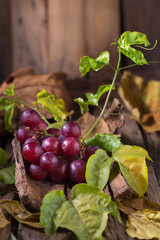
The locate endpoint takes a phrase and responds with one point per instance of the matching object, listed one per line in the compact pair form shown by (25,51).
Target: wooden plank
(143,17)
(5,44)
(66,35)
(78,29)
(29,35)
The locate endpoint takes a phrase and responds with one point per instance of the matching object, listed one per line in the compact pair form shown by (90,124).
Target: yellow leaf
(144,224)
(142,100)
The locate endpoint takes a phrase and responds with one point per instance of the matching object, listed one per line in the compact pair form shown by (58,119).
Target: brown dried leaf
(142,100)
(18,211)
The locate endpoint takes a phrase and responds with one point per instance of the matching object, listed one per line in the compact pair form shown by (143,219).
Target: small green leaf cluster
(7,174)
(46,101)
(125,46)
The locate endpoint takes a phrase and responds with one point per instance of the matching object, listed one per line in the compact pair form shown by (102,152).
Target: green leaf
(98,168)
(3,158)
(10,90)
(133,38)
(8,118)
(7,175)
(86,63)
(53,105)
(90,197)
(5,103)
(135,55)
(131,160)
(51,202)
(86,215)
(92,98)
(105,141)
(82,104)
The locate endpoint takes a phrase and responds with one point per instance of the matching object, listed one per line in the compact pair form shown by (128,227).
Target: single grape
(77,171)
(89,151)
(61,138)
(32,139)
(60,173)
(51,144)
(53,131)
(23,133)
(36,172)
(30,118)
(70,147)
(71,129)
(41,126)
(32,151)
(48,161)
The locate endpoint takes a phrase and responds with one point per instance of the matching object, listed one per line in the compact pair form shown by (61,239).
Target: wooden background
(52,35)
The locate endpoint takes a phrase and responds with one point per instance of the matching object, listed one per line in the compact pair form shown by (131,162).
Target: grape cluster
(53,153)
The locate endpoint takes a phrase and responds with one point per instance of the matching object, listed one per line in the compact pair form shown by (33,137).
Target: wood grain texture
(29,35)
(78,29)
(5,43)
(143,17)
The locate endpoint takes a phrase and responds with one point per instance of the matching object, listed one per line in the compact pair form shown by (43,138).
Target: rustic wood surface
(53,35)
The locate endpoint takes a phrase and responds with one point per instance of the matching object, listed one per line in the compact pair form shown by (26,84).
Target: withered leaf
(143,217)
(19,212)
(142,100)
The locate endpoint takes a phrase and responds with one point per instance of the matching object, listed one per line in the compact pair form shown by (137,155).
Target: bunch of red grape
(53,153)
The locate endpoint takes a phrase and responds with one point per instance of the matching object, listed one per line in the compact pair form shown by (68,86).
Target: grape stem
(107,98)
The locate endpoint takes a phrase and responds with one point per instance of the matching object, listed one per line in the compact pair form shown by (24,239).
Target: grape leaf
(89,209)
(8,105)
(8,118)
(7,175)
(86,63)
(51,202)
(53,105)
(131,160)
(97,169)
(105,141)
(92,98)
(3,158)
(82,104)
(136,55)
(133,38)
(10,90)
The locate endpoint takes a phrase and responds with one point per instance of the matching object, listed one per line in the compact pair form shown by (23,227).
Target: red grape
(48,161)
(37,172)
(71,129)
(51,144)
(53,131)
(32,151)
(70,147)
(60,173)
(32,139)
(89,151)
(77,171)
(23,133)
(30,118)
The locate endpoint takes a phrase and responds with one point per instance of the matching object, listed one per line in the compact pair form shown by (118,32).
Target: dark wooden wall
(52,35)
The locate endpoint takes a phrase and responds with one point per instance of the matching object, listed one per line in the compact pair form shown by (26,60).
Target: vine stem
(107,98)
